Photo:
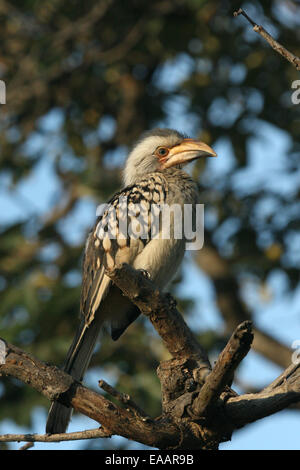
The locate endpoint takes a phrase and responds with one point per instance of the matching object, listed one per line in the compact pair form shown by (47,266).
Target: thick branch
(222,374)
(161,310)
(253,406)
(55,384)
(193,417)
(162,432)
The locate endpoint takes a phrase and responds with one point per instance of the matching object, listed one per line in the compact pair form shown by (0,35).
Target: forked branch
(199,408)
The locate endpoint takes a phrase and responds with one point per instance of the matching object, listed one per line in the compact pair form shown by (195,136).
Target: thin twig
(27,446)
(70,436)
(125,399)
(273,43)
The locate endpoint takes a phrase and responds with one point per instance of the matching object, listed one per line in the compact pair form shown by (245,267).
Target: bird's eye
(162,151)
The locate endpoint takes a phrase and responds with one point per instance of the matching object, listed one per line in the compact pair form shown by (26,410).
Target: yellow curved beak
(188,150)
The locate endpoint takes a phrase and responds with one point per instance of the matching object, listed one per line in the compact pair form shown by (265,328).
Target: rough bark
(200,410)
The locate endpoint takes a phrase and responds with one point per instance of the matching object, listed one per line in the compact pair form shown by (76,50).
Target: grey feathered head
(159,149)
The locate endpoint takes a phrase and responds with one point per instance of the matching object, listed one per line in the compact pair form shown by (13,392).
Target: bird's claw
(145,273)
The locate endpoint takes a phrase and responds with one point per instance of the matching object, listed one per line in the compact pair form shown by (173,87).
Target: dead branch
(125,399)
(199,410)
(248,408)
(222,374)
(55,384)
(69,436)
(273,43)
(161,309)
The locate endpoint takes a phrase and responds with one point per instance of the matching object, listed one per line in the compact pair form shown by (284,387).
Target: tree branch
(55,384)
(273,43)
(222,374)
(196,415)
(70,436)
(248,408)
(161,309)
(125,399)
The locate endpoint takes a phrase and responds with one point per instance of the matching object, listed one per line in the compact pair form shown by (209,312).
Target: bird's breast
(161,259)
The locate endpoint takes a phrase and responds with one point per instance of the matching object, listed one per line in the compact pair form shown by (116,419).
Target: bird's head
(160,149)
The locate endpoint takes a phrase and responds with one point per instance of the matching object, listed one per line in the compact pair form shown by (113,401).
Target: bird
(153,175)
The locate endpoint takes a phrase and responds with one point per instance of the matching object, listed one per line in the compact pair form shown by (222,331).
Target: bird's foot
(145,273)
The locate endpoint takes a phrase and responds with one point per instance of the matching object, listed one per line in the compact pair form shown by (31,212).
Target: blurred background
(83,80)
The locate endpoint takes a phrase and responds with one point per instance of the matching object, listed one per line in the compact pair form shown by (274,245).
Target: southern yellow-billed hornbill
(152,177)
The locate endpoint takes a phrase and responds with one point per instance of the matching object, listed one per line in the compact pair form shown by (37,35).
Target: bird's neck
(176,172)
(182,188)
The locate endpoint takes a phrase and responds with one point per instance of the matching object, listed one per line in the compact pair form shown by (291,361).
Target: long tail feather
(77,362)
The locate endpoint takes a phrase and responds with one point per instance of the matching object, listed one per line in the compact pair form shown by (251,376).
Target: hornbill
(153,175)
